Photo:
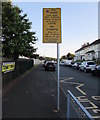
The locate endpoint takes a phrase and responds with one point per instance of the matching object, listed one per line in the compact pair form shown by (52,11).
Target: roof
(93,43)
(92,51)
(88,61)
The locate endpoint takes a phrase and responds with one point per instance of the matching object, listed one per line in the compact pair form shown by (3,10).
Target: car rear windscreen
(79,63)
(91,63)
(50,64)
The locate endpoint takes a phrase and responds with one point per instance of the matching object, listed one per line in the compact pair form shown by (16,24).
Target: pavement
(34,96)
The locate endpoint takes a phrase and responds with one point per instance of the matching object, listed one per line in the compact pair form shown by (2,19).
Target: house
(88,51)
(7,0)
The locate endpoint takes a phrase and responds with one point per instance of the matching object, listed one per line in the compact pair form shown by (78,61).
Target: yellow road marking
(96,116)
(71,83)
(78,88)
(69,78)
(83,99)
(93,106)
(96,97)
(96,110)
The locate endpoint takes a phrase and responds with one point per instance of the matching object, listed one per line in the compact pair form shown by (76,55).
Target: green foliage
(17,37)
(41,58)
(70,56)
(98,62)
(50,58)
(63,57)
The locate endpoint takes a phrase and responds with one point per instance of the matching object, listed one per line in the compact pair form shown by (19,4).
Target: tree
(41,58)
(17,36)
(64,57)
(70,56)
(50,58)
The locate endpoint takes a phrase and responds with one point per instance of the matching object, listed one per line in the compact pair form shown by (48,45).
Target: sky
(79,24)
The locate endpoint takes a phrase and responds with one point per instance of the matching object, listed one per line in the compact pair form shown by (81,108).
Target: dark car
(96,70)
(76,65)
(50,66)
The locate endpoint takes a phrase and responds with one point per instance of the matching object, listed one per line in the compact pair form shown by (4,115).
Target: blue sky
(79,24)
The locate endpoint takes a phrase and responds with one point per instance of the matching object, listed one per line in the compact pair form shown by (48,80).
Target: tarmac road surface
(34,97)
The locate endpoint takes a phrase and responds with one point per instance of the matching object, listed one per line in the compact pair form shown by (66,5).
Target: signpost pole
(52,34)
(58,76)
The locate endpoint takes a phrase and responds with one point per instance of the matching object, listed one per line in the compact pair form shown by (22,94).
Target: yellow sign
(51,25)
(8,66)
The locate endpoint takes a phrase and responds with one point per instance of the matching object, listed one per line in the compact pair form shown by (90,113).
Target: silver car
(87,66)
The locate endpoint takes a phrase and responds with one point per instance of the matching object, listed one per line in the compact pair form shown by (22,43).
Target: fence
(21,66)
(75,109)
(37,61)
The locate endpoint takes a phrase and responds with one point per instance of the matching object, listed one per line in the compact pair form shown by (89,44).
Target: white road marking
(78,88)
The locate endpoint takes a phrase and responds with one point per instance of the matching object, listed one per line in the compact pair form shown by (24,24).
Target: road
(35,95)
(84,86)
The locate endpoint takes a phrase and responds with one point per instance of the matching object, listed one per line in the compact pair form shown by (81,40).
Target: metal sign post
(58,93)
(52,34)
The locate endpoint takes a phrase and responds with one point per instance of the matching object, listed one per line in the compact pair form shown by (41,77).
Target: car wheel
(45,69)
(79,69)
(93,73)
(85,70)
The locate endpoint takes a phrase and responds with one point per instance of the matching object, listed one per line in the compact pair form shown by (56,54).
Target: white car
(68,62)
(76,65)
(87,66)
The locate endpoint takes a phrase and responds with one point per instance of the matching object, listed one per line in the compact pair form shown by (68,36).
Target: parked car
(76,65)
(87,66)
(68,62)
(44,63)
(55,62)
(72,63)
(62,63)
(96,70)
(50,66)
